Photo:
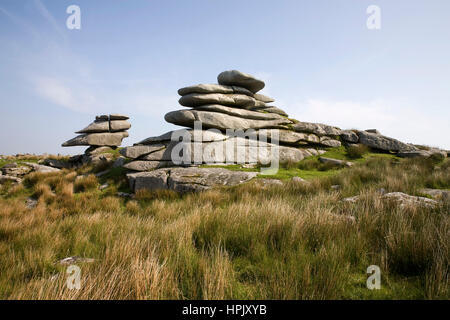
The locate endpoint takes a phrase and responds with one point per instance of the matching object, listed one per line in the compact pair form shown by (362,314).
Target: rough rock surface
(220,120)
(187,179)
(384,143)
(406,200)
(316,128)
(214,88)
(237,78)
(195,100)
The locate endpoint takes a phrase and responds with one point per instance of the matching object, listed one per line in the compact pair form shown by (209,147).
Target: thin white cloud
(49,17)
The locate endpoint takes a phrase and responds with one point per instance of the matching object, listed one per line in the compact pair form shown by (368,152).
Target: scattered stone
(336,162)
(422,153)
(353,199)
(101,173)
(438,194)
(124,195)
(119,162)
(31,203)
(75,260)
(41,168)
(298,180)
(59,164)
(6,178)
(103,186)
(269,182)
(406,200)
(336,187)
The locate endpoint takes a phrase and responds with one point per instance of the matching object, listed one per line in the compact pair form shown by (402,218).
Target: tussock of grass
(294,241)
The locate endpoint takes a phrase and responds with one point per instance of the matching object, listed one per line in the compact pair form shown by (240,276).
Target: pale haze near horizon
(318,59)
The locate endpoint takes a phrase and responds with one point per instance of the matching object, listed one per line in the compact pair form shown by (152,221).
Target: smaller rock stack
(104,134)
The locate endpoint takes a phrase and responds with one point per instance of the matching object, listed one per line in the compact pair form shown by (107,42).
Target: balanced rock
(106,130)
(194,100)
(237,78)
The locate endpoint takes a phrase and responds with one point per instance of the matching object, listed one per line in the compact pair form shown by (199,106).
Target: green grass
(244,242)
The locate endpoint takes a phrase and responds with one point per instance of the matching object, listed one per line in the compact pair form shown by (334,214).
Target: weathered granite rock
(273,109)
(6,178)
(41,168)
(187,179)
(237,78)
(336,162)
(116,116)
(349,136)
(142,165)
(15,170)
(422,153)
(135,152)
(94,150)
(438,194)
(406,200)
(195,100)
(329,142)
(96,127)
(119,125)
(220,120)
(263,98)
(214,88)
(242,113)
(97,139)
(195,135)
(316,128)
(59,164)
(384,143)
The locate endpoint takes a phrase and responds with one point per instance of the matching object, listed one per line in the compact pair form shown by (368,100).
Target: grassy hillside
(296,241)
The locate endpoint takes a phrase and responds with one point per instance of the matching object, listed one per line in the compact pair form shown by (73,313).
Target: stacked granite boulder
(234,105)
(104,134)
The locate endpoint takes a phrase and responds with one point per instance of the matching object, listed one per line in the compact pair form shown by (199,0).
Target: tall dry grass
(296,241)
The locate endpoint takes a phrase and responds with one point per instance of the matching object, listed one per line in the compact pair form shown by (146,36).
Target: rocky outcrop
(237,126)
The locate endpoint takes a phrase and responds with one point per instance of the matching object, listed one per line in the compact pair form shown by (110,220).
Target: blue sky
(318,59)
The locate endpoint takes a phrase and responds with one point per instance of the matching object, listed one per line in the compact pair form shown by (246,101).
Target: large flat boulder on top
(117,116)
(220,120)
(188,179)
(194,100)
(237,78)
(97,139)
(213,88)
(380,142)
(318,129)
(243,113)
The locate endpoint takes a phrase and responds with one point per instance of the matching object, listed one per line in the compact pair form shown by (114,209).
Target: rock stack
(225,110)
(232,104)
(104,134)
